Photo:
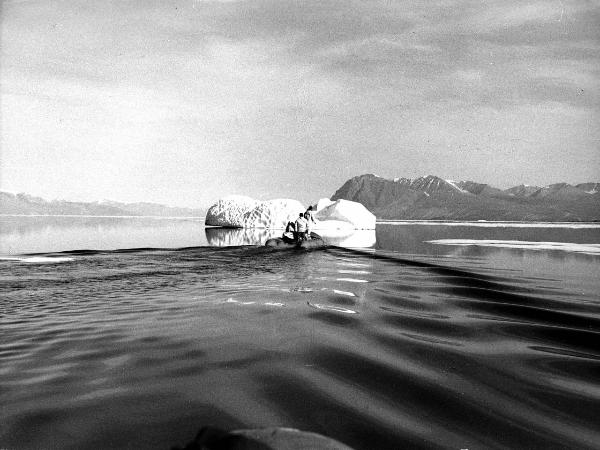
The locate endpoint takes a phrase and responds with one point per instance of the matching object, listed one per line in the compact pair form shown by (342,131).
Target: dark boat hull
(314,242)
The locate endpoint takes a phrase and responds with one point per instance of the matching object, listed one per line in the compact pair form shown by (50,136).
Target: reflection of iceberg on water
(349,238)
(227,237)
(343,234)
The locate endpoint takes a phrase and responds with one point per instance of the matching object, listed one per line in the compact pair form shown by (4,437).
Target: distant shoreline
(490,223)
(99,216)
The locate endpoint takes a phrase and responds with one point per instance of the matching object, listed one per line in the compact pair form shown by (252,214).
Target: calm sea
(134,333)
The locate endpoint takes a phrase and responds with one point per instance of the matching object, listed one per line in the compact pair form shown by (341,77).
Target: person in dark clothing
(289,234)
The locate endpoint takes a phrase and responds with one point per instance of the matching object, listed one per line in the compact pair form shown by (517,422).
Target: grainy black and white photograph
(299,224)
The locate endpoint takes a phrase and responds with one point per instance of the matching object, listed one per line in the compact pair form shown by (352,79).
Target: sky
(184,102)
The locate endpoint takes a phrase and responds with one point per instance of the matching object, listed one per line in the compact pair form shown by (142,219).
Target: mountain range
(30,205)
(433,198)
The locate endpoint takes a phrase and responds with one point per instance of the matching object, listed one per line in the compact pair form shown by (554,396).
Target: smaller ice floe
(349,294)
(332,308)
(274,304)
(37,259)
(352,280)
(589,249)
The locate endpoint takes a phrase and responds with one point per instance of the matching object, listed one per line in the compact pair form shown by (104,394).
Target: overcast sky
(183,102)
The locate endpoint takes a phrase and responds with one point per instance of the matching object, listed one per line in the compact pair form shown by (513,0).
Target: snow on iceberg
(237,211)
(346,211)
(273,214)
(230,211)
(244,212)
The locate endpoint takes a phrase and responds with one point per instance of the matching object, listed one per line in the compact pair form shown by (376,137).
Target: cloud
(508,15)
(299,86)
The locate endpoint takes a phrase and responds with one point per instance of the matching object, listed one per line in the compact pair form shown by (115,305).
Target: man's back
(301,224)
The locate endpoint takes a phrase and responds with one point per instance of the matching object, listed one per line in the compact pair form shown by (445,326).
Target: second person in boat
(301,228)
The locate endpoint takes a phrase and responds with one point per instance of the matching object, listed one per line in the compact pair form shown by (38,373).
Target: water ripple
(145,346)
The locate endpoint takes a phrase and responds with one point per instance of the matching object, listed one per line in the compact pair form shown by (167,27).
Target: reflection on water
(409,345)
(36,234)
(227,237)
(39,234)
(586,249)
(535,261)
(421,238)
(138,349)
(352,239)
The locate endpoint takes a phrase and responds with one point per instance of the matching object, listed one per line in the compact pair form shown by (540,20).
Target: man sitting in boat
(310,221)
(301,228)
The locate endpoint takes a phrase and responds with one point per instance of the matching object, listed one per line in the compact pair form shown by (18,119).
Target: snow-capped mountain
(523,190)
(432,197)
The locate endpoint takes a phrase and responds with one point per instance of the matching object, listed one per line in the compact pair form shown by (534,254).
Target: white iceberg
(230,211)
(359,217)
(324,203)
(273,214)
(238,211)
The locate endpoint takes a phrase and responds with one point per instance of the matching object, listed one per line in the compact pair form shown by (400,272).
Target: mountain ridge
(25,204)
(434,198)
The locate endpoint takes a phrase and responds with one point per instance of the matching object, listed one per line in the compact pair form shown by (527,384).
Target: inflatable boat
(286,242)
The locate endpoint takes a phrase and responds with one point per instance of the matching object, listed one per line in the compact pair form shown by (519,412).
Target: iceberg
(230,211)
(273,214)
(239,211)
(353,213)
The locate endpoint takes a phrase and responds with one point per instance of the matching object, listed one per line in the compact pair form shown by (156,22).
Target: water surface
(410,343)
